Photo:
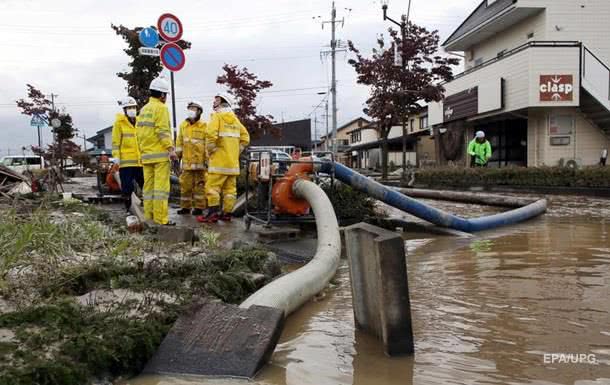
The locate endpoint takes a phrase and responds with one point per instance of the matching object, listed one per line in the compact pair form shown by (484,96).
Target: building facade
(365,144)
(536,80)
(295,134)
(343,139)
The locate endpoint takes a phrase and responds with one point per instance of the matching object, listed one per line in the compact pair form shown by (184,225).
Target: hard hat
(159,84)
(195,103)
(226,98)
(480,134)
(128,102)
(103,152)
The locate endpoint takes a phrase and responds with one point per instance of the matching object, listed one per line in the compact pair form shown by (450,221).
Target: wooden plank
(217,339)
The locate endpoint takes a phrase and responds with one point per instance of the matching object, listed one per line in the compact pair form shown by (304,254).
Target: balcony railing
(506,54)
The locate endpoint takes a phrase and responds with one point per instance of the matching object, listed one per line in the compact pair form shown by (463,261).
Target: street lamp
(403,30)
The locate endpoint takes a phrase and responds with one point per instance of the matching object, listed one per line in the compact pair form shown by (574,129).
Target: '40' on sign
(169,27)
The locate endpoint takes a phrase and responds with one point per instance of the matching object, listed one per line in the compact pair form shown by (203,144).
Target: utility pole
(53,172)
(404,22)
(326,115)
(335,46)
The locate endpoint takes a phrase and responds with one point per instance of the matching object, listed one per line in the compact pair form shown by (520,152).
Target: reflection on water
(485,311)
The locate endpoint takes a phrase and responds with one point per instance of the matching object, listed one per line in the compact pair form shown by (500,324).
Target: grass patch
(51,254)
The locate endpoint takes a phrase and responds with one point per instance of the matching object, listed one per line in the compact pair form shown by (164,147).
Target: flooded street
(485,309)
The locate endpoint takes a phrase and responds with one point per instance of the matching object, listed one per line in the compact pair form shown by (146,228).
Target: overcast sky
(67,48)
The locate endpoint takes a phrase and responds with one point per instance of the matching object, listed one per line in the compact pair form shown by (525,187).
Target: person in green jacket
(479,150)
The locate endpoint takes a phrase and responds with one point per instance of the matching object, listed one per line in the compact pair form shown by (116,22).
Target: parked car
(277,157)
(23,163)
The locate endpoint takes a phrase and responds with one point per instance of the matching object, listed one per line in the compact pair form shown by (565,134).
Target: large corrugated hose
(293,290)
(429,213)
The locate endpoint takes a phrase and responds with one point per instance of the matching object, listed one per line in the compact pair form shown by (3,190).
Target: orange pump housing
(284,201)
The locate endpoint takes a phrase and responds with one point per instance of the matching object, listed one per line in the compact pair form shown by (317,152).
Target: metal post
(171,76)
(403,28)
(327,138)
(39,138)
(333,46)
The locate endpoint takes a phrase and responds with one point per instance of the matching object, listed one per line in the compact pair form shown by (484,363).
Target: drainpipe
(293,290)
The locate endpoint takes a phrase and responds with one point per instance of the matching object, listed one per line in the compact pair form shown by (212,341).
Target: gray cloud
(67,47)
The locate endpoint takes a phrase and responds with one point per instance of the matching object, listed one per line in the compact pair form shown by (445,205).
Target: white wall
(108,139)
(586,143)
(584,20)
(521,73)
(509,39)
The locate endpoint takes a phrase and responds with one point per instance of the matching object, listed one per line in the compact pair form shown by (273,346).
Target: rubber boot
(197,212)
(184,212)
(212,217)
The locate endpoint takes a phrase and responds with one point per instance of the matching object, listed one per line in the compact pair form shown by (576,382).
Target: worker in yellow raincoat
(190,147)
(156,149)
(125,149)
(226,138)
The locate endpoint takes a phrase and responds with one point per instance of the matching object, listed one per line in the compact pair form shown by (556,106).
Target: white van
(22,163)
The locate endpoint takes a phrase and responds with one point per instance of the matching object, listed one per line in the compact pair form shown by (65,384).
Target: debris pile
(11,182)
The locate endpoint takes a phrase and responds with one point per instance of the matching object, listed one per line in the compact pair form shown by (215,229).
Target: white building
(537,81)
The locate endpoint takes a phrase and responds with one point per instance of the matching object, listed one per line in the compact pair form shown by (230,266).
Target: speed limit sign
(170,27)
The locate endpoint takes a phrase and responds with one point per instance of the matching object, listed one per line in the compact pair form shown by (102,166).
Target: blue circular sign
(149,37)
(172,57)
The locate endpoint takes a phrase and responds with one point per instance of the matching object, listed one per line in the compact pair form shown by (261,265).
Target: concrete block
(217,339)
(380,290)
(175,234)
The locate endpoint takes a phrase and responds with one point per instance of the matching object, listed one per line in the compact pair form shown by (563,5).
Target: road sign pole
(171,77)
(39,138)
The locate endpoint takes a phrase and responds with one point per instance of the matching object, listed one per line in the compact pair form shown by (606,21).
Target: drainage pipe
(293,290)
(429,213)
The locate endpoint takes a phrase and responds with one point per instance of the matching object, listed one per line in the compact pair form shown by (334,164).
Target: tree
(244,86)
(38,104)
(143,68)
(395,92)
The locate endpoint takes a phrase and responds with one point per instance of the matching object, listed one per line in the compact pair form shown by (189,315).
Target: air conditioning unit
(573,163)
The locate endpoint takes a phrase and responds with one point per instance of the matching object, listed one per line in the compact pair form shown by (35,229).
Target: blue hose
(429,213)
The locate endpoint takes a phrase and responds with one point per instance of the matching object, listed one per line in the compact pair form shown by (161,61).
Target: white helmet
(128,102)
(480,134)
(159,84)
(226,98)
(195,103)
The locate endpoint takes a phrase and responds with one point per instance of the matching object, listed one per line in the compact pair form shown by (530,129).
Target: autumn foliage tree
(244,86)
(143,68)
(395,91)
(37,104)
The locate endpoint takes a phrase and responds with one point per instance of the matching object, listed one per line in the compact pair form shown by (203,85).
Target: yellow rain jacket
(191,143)
(226,138)
(125,142)
(153,132)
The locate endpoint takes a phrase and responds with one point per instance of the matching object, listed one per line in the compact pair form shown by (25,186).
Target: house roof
(344,126)
(479,16)
(99,134)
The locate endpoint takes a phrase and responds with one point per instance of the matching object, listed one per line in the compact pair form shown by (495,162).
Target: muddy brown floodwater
(486,310)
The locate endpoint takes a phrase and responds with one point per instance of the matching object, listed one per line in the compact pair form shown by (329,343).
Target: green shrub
(350,206)
(518,177)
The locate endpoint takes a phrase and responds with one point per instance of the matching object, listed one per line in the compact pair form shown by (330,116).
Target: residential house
(343,139)
(102,141)
(536,81)
(365,144)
